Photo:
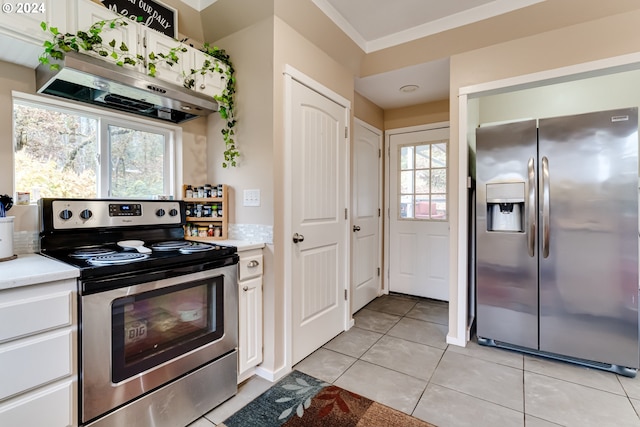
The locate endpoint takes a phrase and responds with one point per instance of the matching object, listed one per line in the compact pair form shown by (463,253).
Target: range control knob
(86,214)
(173,212)
(160,212)
(66,214)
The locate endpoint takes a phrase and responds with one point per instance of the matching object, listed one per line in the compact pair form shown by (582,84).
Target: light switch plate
(251,198)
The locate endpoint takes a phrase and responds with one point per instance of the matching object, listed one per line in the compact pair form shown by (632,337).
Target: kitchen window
(423,181)
(65,151)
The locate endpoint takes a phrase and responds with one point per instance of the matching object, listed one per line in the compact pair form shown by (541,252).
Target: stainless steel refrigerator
(557,238)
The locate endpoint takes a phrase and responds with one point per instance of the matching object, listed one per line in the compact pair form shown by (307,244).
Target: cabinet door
(209,84)
(51,406)
(21,20)
(90,13)
(250,324)
(159,43)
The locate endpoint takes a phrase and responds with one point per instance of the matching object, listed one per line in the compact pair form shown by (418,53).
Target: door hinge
(345,294)
(144,42)
(379,152)
(346,132)
(378,212)
(345,214)
(378,271)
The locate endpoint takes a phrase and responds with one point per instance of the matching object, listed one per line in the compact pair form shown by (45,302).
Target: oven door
(139,337)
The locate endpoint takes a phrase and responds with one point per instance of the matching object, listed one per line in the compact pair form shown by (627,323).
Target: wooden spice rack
(220,221)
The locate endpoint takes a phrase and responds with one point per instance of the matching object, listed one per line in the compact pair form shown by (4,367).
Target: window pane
(137,163)
(55,153)
(422,181)
(423,208)
(406,158)
(406,182)
(406,207)
(439,208)
(439,153)
(439,181)
(422,157)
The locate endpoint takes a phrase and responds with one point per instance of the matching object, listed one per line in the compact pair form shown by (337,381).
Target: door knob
(356,228)
(298,238)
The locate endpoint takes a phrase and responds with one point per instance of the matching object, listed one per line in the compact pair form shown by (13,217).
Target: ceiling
(379,24)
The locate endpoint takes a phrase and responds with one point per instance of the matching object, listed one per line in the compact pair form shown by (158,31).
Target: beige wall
(251,51)
(431,112)
(22,79)
(367,111)
(598,39)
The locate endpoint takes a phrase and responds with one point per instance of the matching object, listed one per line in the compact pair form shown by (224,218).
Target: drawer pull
(245,288)
(253,263)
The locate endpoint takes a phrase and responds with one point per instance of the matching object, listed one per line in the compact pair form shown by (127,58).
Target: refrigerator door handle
(531,208)
(545,207)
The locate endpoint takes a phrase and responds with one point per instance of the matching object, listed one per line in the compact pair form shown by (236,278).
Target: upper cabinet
(89,13)
(21,20)
(79,15)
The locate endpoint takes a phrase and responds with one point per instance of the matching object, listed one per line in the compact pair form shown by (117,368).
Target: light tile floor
(397,355)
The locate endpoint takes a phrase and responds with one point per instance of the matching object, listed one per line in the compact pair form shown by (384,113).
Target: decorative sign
(154,14)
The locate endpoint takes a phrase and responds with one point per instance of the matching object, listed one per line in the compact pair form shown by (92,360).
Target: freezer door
(588,207)
(506,259)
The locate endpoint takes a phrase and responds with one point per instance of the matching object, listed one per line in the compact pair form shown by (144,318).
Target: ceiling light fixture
(409,88)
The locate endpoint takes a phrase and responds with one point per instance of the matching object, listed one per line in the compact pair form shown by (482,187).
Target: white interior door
(418,214)
(365,215)
(319,277)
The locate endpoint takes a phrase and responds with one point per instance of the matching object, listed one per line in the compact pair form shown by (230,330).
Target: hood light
(99,84)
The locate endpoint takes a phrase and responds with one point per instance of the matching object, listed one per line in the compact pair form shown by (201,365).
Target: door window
(423,181)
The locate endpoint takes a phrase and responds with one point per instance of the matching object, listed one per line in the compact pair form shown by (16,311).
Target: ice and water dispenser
(505,206)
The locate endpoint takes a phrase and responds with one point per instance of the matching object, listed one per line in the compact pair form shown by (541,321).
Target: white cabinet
(21,19)
(88,13)
(38,344)
(250,312)
(210,84)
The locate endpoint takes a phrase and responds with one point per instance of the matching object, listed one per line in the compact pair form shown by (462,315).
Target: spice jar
(188,193)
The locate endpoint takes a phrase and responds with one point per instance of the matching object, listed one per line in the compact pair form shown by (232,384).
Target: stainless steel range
(158,314)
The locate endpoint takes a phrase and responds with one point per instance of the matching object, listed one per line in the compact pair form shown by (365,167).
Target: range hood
(95,81)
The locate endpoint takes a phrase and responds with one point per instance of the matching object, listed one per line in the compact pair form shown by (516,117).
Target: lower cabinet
(38,335)
(250,312)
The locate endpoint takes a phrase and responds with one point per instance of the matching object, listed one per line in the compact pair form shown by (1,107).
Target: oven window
(156,326)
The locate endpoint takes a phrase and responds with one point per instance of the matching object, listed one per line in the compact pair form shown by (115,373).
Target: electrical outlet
(251,198)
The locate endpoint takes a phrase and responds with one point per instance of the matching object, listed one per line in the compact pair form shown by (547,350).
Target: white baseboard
(270,375)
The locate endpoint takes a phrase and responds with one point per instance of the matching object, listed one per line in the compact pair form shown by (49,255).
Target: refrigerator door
(507,263)
(588,207)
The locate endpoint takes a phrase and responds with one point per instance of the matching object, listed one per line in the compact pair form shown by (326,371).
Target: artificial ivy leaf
(120,63)
(152,56)
(54,30)
(55,66)
(123,47)
(112,43)
(139,19)
(112,24)
(47,44)
(114,55)
(43,25)
(103,53)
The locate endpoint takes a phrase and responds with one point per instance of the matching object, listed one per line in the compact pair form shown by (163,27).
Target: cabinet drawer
(32,362)
(48,407)
(26,316)
(249,267)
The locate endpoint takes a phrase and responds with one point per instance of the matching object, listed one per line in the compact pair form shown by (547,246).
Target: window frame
(106,118)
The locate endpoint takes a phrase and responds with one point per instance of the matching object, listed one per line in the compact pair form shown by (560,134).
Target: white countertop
(242,245)
(31,269)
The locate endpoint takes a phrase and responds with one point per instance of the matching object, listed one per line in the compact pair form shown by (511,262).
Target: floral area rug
(301,400)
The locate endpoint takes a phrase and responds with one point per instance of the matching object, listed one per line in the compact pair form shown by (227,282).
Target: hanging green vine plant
(90,40)
(226,106)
